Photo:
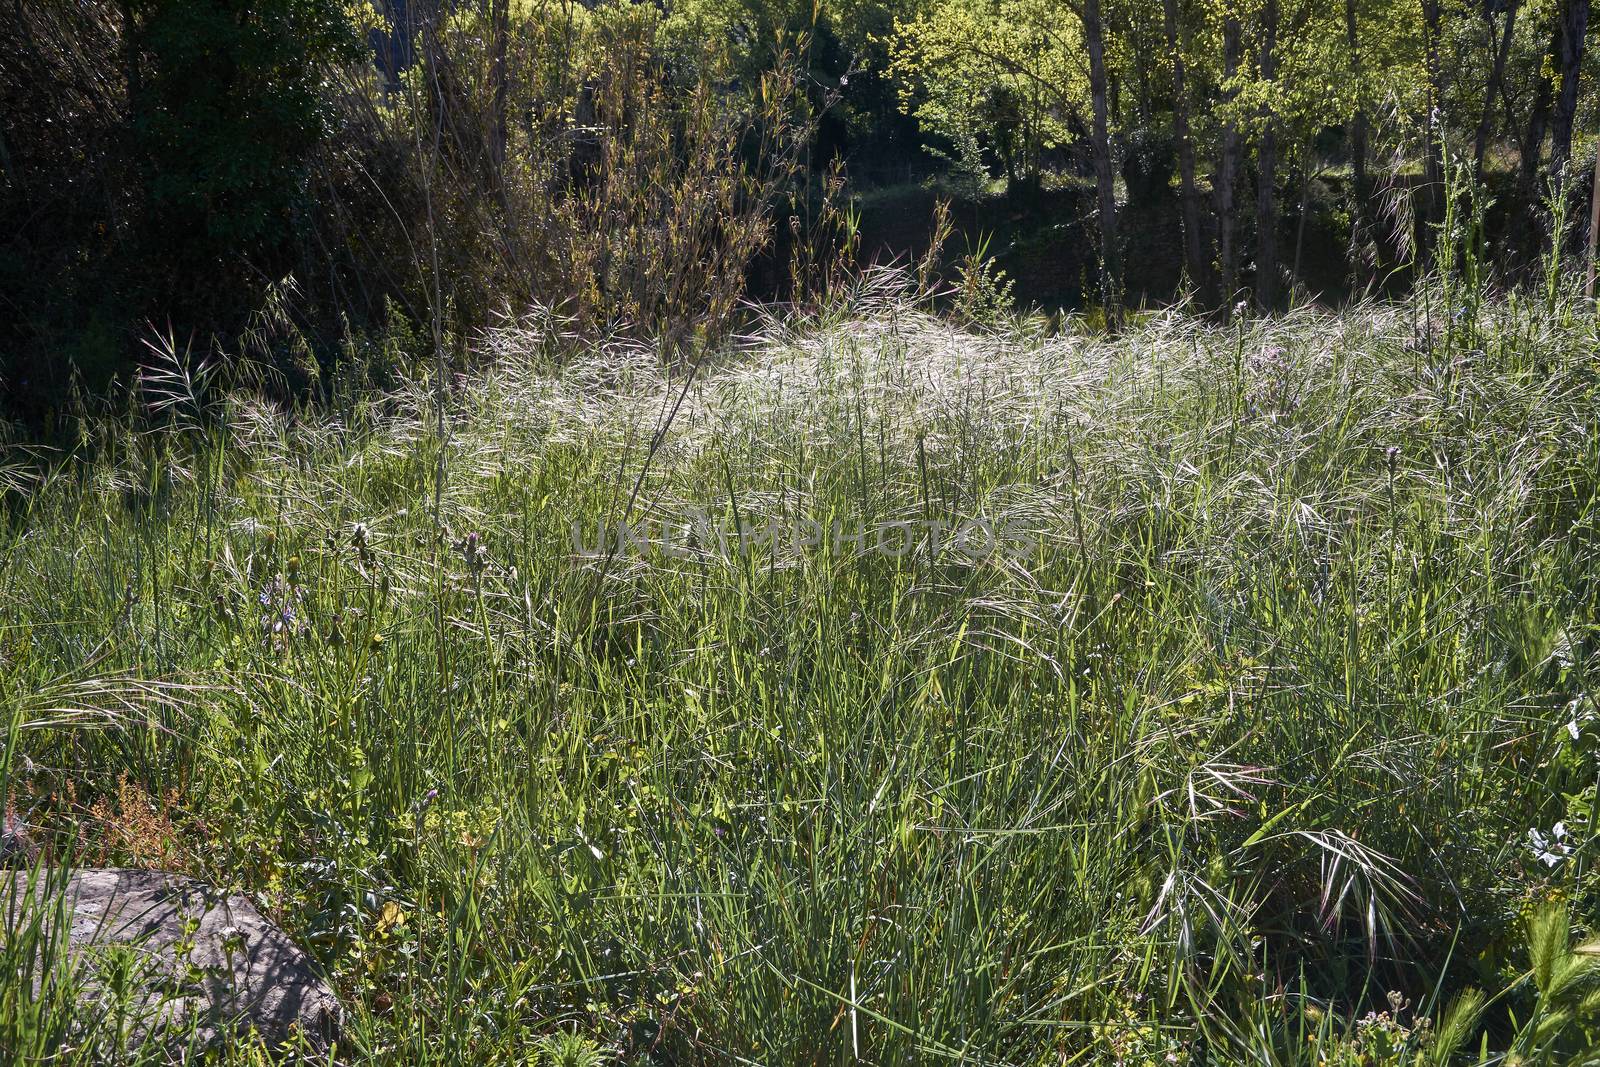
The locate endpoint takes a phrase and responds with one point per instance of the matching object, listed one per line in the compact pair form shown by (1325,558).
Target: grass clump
(1198,695)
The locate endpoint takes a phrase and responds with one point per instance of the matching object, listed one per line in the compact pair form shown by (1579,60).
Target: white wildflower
(1553,849)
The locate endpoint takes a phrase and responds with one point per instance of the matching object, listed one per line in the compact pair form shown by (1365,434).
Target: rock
(17,847)
(206,964)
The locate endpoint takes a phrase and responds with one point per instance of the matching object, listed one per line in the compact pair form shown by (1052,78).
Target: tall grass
(1232,757)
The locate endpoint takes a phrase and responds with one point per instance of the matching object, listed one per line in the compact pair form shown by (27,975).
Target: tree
(1532,147)
(1495,85)
(1572,25)
(1359,190)
(850,48)
(1433,145)
(158,157)
(1267,164)
(1230,152)
(1002,76)
(1104,174)
(225,109)
(953,56)
(499,36)
(1195,259)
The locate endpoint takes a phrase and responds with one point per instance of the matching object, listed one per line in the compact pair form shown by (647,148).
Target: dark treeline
(325,189)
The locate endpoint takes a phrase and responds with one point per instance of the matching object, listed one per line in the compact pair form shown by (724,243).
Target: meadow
(1256,724)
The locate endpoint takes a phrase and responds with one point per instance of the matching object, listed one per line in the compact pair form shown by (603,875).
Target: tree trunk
(1360,207)
(1433,154)
(1267,170)
(1306,178)
(1105,179)
(1532,149)
(1480,143)
(1227,175)
(1574,23)
(1194,256)
(499,29)
(1142,72)
(426,26)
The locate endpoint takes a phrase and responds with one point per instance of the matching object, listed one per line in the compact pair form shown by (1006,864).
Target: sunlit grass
(1246,731)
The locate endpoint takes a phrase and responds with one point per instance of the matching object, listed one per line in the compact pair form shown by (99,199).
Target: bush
(1269,690)
(159,152)
(1149,160)
(576,161)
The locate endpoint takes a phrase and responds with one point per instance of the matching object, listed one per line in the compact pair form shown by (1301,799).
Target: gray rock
(17,847)
(204,964)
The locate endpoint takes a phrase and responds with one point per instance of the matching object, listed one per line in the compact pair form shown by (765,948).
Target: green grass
(1250,732)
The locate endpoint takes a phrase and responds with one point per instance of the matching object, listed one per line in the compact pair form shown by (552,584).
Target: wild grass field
(1249,719)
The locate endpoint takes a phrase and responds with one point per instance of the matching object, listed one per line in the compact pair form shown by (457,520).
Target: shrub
(1149,160)
(160,151)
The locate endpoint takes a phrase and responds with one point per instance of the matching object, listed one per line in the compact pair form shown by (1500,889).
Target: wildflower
(392,915)
(1580,713)
(279,600)
(474,551)
(1553,849)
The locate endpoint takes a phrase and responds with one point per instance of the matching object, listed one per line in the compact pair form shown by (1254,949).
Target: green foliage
(177,163)
(1564,1025)
(1004,73)
(158,171)
(585,164)
(1148,164)
(982,293)
(569,1050)
(1247,730)
(226,108)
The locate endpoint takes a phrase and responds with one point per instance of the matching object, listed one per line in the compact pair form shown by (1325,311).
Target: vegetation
(473,489)
(190,165)
(1265,733)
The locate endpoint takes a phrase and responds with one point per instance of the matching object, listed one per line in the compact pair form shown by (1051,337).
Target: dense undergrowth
(1203,694)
